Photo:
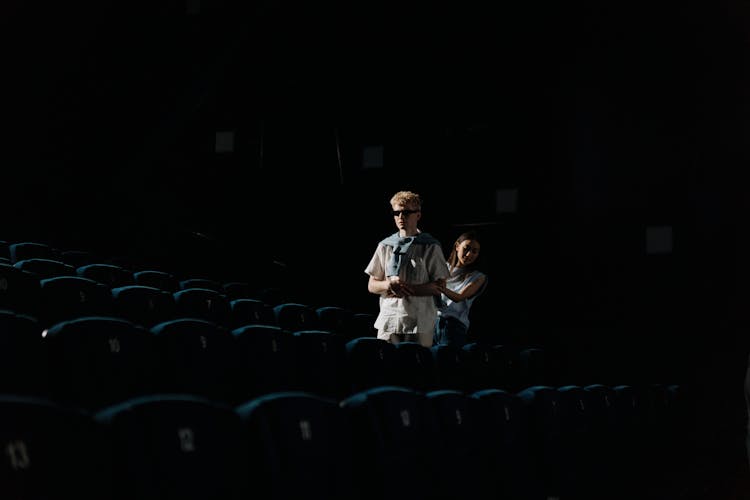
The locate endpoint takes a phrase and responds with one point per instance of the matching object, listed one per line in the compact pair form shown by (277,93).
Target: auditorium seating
(172,390)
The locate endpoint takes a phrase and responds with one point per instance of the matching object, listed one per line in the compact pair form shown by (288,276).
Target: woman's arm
(466,292)
(431,288)
(392,287)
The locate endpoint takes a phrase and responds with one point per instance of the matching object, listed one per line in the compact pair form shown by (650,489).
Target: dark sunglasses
(406,213)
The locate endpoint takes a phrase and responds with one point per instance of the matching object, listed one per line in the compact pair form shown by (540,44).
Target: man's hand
(398,289)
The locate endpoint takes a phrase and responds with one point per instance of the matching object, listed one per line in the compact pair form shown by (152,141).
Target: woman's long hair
(453,257)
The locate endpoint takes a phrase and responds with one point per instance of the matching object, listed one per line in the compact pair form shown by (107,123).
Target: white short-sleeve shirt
(421,264)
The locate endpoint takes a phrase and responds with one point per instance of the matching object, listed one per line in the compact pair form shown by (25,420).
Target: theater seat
(46,268)
(267,360)
(392,432)
(457,442)
(69,297)
(23,365)
(369,361)
(49,451)
(157,279)
(107,274)
(321,363)
(294,316)
(96,361)
(196,357)
(203,303)
(143,305)
(19,290)
(31,250)
(172,446)
(299,447)
(413,367)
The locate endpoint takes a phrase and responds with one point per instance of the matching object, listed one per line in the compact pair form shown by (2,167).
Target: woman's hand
(398,289)
(437,287)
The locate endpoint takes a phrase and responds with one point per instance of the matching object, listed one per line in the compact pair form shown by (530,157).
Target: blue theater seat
(392,431)
(49,450)
(172,446)
(299,446)
(369,361)
(196,357)
(267,360)
(96,361)
(107,274)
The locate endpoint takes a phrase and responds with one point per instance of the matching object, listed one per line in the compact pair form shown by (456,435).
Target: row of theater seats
(53,291)
(386,442)
(154,387)
(93,361)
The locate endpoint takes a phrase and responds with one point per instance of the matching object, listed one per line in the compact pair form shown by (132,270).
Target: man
(407,271)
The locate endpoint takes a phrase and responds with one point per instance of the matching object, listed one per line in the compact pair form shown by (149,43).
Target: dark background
(608,117)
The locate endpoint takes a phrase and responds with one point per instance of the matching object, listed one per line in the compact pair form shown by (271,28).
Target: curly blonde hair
(407,199)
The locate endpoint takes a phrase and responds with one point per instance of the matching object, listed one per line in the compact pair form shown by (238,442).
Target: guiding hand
(398,289)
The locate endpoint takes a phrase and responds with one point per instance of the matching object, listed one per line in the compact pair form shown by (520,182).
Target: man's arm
(391,287)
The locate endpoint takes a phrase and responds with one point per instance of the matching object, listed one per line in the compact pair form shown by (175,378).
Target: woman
(461,289)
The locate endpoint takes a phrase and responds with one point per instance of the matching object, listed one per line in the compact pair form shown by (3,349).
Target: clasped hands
(399,289)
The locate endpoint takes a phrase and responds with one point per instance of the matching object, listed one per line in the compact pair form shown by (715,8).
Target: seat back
(49,451)
(294,316)
(46,268)
(23,250)
(413,367)
(457,440)
(97,361)
(299,447)
(450,370)
(203,303)
(19,290)
(107,274)
(392,429)
(506,457)
(196,357)
(143,305)
(69,297)
(169,446)
(267,360)
(23,364)
(157,279)
(369,361)
(321,363)
(250,312)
